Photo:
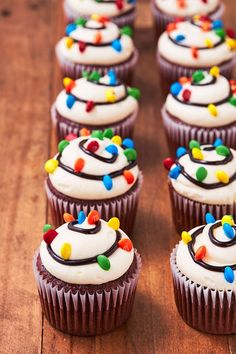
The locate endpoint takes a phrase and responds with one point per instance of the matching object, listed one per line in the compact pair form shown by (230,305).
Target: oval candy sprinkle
(222,176)
(134,92)
(93,217)
(66,251)
(70,101)
(128,143)
(93,146)
(176,88)
(213,110)
(227,219)
(47,227)
(130,154)
(125,244)
(186,237)
(84,132)
(112,149)
(197,154)
(79,165)
(108,133)
(168,163)
(62,145)
(49,236)
(200,253)
(107,181)
(110,96)
(180,152)
(103,262)
(229,274)
(215,71)
(210,218)
(218,142)
(51,165)
(222,150)
(114,223)
(81,217)
(116,140)
(201,173)
(71,137)
(68,217)
(194,144)
(116,44)
(228,230)
(128,176)
(175,172)
(97,134)
(198,76)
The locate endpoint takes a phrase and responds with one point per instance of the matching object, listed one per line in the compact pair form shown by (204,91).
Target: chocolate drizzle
(221,41)
(226,160)
(96,229)
(95,156)
(91,44)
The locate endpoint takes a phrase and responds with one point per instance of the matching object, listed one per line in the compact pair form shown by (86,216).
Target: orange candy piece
(93,217)
(98,38)
(79,165)
(68,217)
(125,244)
(206,26)
(84,132)
(183,80)
(128,176)
(171,27)
(194,52)
(200,253)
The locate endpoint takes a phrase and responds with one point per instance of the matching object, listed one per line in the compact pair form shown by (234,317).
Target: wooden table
(29,82)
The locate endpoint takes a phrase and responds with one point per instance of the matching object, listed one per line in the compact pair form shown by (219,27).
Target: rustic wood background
(29,82)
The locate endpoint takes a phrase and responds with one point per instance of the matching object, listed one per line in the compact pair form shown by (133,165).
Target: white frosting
(82,188)
(223,195)
(104,8)
(108,113)
(194,37)
(96,54)
(192,7)
(85,246)
(210,94)
(215,255)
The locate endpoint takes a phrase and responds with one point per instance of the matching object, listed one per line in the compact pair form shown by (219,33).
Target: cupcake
(86,272)
(201,179)
(99,172)
(97,44)
(197,44)
(203,267)
(95,102)
(166,11)
(203,108)
(122,12)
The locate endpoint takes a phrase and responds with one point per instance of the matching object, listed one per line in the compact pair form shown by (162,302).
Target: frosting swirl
(199,43)
(96,100)
(96,41)
(187,8)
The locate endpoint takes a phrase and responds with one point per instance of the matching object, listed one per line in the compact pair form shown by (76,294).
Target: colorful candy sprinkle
(232,100)
(194,144)
(93,217)
(112,76)
(128,143)
(128,176)
(186,237)
(114,223)
(116,139)
(228,230)
(197,154)
(198,76)
(130,154)
(94,76)
(180,152)
(81,217)
(168,163)
(82,46)
(222,150)
(127,31)
(93,146)
(62,145)
(110,96)
(134,92)
(70,101)
(125,244)
(227,219)
(176,88)
(108,133)
(208,42)
(201,173)
(179,37)
(47,227)
(51,165)
(80,21)
(97,38)
(97,134)
(210,218)
(71,137)
(69,42)
(217,24)
(68,217)
(212,110)
(175,172)
(116,45)
(218,142)
(49,236)
(231,43)
(70,28)
(215,71)
(229,274)
(220,32)
(66,250)
(222,176)
(89,106)
(84,132)
(107,181)
(79,165)
(112,149)
(194,52)
(186,95)
(103,262)
(200,253)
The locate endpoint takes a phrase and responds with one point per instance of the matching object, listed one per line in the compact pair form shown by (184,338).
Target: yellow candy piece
(110,95)
(231,43)
(69,42)
(215,71)
(222,176)
(186,237)
(208,43)
(213,110)
(51,165)
(196,17)
(197,154)
(116,140)
(114,223)
(66,251)
(95,17)
(227,219)
(67,81)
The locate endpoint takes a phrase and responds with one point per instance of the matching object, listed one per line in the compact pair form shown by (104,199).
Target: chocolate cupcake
(166,11)
(99,172)
(203,267)
(201,179)
(121,12)
(203,108)
(86,272)
(197,44)
(97,44)
(95,102)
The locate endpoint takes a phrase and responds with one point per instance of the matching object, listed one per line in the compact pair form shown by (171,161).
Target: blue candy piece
(218,142)
(175,172)
(112,149)
(175,88)
(217,24)
(228,230)
(180,152)
(179,37)
(128,143)
(70,28)
(229,274)
(70,101)
(132,1)
(117,45)
(107,181)
(112,76)
(81,217)
(209,218)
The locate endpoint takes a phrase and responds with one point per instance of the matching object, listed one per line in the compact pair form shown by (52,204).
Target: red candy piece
(93,217)
(200,254)
(71,137)
(49,236)
(119,4)
(89,106)
(186,95)
(171,27)
(194,52)
(103,19)
(230,32)
(125,244)
(168,162)
(128,176)
(68,217)
(79,165)
(82,46)
(70,86)
(84,132)
(93,146)
(98,38)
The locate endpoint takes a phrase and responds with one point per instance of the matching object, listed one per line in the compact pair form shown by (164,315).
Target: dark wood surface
(29,82)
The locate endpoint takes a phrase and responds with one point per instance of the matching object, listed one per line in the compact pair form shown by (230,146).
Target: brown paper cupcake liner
(204,309)
(161,19)
(123,207)
(64,126)
(74,70)
(188,213)
(89,312)
(179,133)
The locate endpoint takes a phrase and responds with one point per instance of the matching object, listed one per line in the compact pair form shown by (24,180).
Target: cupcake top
(207,99)
(204,173)
(96,100)
(199,43)
(187,8)
(87,250)
(94,167)
(110,8)
(96,41)
(207,254)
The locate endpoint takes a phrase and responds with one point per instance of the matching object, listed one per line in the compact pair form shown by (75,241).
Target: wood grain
(29,82)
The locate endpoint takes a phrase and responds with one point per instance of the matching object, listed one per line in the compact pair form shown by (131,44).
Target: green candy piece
(194,144)
(94,76)
(97,134)
(85,74)
(220,32)
(62,145)
(222,150)
(134,92)
(232,100)
(126,30)
(80,21)
(198,76)
(130,154)
(104,262)
(108,133)
(201,174)
(47,227)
